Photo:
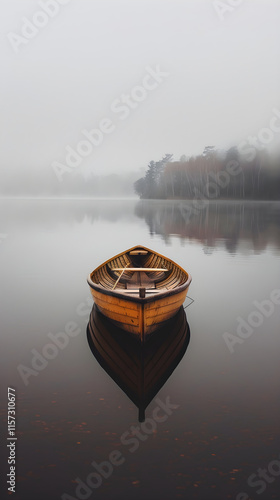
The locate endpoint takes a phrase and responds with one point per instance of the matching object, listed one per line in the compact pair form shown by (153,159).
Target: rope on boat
(192,300)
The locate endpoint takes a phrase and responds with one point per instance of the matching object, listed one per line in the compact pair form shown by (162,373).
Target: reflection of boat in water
(139,289)
(139,369)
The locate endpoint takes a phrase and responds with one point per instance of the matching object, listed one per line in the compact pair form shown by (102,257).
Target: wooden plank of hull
(162,310)
(161,317)
(111,299)
(120,318)
(124,313)
(119,311)
(170,299)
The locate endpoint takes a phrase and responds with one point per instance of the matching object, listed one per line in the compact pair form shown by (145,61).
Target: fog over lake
(149,123)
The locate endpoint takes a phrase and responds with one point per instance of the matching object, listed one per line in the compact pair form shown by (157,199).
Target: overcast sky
(221,79)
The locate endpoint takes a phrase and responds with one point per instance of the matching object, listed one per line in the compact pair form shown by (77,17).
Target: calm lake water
(69,410)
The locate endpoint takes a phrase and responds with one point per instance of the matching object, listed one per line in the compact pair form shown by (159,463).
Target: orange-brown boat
(139,289)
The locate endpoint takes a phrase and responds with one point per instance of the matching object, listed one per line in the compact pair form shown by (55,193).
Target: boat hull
(136,317)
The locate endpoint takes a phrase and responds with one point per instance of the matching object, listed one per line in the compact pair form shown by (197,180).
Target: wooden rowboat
(139,289)
(139,369)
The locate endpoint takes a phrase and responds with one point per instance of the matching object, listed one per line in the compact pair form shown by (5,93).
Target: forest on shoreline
(211,175)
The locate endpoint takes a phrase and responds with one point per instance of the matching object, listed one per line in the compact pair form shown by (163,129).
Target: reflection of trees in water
(233,223)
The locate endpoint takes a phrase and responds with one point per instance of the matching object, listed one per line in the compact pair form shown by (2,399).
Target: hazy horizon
(208,81)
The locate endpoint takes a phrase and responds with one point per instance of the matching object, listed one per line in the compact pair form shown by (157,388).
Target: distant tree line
(45,184)
(257,179)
